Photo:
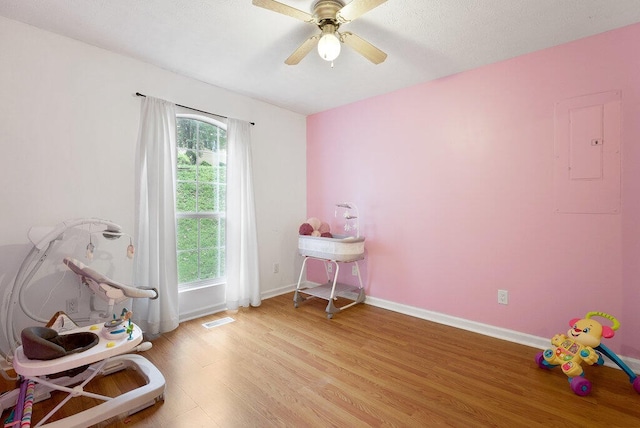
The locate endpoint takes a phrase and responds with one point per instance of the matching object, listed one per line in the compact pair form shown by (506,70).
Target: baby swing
(65,357)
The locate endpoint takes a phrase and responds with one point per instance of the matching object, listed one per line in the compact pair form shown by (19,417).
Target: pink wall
(454,181)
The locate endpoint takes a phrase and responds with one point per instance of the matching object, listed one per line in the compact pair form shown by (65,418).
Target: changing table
(332,252)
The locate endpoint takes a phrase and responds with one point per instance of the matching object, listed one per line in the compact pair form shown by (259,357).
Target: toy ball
(314,222)
(305,229)
(326,235)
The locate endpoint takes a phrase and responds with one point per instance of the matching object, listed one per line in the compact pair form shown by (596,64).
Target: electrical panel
(587,162)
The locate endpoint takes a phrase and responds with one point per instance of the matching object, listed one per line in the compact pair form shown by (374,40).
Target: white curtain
(155,259)
(243,281)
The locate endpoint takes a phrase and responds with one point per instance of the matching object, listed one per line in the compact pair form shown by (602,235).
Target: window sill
(199,286)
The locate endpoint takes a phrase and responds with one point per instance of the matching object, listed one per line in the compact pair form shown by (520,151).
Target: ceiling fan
(329,15)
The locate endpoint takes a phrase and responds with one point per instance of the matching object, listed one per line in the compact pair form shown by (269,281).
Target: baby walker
(64,357)
(582,343)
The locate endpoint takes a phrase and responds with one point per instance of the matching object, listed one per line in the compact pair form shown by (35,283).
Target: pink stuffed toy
(305,229)
(314,227)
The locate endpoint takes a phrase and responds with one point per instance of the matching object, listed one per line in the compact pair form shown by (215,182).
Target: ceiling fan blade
(364,48)
(284,9)
(302,50)
(356,8)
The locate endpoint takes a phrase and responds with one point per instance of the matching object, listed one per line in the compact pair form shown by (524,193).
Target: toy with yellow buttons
(583,344)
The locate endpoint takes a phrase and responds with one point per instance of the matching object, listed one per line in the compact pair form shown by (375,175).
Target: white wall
(68,130)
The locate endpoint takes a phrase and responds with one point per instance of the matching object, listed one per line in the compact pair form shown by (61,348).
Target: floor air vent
(218,323)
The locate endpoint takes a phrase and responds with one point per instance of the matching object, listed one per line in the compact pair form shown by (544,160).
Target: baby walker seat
(43,343)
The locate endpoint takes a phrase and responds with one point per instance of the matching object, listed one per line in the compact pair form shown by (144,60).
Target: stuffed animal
(314,227)
(324,228)
(305,229)
(314,222)
(578,344)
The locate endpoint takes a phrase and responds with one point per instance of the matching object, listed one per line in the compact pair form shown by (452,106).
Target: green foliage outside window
(200,200)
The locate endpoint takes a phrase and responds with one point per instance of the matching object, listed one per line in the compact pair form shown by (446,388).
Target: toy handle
(616,323)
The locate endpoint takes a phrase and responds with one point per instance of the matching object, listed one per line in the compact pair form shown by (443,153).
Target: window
(200,200)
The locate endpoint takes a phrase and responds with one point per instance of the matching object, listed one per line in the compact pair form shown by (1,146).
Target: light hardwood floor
(277,366)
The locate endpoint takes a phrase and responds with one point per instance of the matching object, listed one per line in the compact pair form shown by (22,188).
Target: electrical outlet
(503,297)
(276,267)
(72,306)
(354,270)
(330,267)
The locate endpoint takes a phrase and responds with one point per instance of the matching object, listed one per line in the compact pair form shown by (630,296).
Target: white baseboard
(476,327)
(278,291)
(189,315)
(5,366)
(203,312)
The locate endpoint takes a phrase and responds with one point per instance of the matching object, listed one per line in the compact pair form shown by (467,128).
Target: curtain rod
(191,108)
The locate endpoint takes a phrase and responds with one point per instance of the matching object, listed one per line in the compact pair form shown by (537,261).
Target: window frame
(217,215)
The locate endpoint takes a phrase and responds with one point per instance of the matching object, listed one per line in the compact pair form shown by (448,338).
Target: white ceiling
(235,45)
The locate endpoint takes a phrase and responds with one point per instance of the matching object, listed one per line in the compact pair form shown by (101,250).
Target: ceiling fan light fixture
(329,16)
(329,46)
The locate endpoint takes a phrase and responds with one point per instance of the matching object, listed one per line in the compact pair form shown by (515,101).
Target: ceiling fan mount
(329,15)
(326,12)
